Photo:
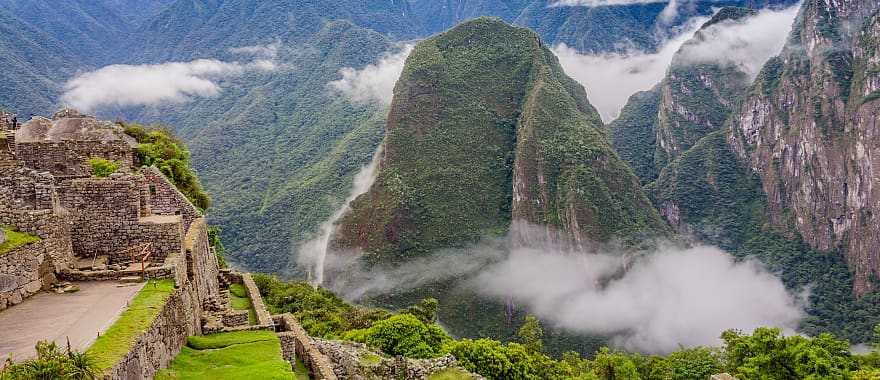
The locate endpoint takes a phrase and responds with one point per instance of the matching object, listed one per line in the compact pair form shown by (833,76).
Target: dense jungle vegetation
(412,332)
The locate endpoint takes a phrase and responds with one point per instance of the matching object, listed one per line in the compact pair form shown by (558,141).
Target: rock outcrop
(810,128)
(486,132)
(694,99)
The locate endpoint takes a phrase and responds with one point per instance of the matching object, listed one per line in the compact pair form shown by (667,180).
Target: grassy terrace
(232,355)
(110,347)
(451,374)
(15,239)
(239,300)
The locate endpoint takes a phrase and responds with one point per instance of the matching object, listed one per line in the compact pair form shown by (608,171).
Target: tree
(531,334)
(766,354)
(425,310)
(615,366)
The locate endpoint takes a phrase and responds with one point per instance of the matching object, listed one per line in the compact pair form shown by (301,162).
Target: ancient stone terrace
(130,226)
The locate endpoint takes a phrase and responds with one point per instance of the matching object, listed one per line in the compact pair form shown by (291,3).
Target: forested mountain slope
(277,149)
(486,130)
(694,99)
(729,188)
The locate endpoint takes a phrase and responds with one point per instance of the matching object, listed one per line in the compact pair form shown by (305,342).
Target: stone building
(133,222)
(63,144)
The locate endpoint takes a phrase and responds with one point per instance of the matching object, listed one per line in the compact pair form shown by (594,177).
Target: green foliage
(51,364)
(495,360)
(505,102)
(159,147)
(693,363)
(320,312)
(634,135)
(615,365)
(219,249)
(232,355)
(767,354)
(425,310)
(530,334)
(15,239)
(116,342)
(403,334)
(102,167)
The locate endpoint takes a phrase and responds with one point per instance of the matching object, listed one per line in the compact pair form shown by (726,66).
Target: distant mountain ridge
(277,150)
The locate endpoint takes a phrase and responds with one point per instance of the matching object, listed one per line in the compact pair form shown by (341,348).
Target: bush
(159,147)
(405,335)
(102,168)
(51,364)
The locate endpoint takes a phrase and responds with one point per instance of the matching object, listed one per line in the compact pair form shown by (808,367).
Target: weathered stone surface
(355,360)
(810,130)
(296,343)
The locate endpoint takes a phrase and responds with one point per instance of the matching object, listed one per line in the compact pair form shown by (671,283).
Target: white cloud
(138,85)
(374,83)
(650,301)
(672,297)
(747,43)
(267,51)
(611,78)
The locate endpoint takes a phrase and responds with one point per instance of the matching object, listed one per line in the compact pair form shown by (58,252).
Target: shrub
(102,168)
(51,364)
(159,147)
(403,334)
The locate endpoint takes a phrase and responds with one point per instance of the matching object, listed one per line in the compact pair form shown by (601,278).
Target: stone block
(33,287)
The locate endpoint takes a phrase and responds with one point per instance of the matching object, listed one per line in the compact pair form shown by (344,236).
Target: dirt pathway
(78,316)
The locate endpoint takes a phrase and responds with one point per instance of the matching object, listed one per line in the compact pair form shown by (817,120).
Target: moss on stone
(15,239)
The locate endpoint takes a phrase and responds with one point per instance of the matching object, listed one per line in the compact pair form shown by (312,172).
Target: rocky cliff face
(809,129)
(697,96)
(693,100)
(486,131)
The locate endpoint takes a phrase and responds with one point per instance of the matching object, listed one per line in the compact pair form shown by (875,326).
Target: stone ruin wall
(70,157)
(165,199)
(26,189)
(179,318)
(106,216)
(7,151)
(195,275)
(297,344)
(31,268)
(202,269)
(8,121)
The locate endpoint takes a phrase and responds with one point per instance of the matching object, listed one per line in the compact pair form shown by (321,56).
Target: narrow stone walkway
(78,316)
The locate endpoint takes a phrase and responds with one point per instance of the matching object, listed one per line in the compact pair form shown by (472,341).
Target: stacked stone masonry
(46,190)
(70,158)
(296,344)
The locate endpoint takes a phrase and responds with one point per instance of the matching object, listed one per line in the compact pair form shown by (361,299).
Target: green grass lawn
(15,239)
(451,374)
(239,300)
(233,355)
(300,372)
(110,347)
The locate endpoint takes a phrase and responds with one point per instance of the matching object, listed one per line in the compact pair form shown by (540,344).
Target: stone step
(131,279)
